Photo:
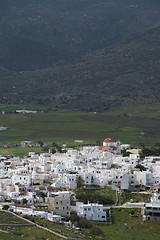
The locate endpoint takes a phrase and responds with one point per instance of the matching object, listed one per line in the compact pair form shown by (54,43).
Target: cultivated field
(134,125)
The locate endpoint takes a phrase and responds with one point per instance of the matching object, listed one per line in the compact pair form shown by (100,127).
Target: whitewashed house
(151,211)
(90,211)
(22,179)
(145,178)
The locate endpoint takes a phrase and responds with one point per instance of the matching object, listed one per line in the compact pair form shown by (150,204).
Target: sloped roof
(108,140)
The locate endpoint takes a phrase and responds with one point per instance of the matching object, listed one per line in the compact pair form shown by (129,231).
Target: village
(43,185)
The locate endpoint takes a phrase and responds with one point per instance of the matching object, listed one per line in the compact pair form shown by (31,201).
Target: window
(103,216)
(85,209)
(57,207)
(155,208)
(89,209)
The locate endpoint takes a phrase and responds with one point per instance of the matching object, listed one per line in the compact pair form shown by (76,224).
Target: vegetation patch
(23,232)
(104,196)
(128,224)
(135,197)
(130,124)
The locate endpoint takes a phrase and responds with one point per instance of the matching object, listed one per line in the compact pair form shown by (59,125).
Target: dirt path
(39,226)
(3,231)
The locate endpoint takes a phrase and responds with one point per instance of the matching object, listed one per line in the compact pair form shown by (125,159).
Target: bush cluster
(94,196)
(150,152)
(84,223)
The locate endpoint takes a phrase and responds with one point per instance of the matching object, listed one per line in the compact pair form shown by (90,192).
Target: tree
(150,152)
(141,167)
(40,143)
(24,201)
(54,145)
(98,143)
(125,153)
(42,194)
(80,182)
(53,151)
(5,207)
(56,148)
(45,149)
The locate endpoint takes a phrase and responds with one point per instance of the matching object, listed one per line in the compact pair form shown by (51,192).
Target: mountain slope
(37,34)
(126,73)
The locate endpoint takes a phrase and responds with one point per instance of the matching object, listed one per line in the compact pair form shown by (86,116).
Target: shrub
(5,207)
(96,230)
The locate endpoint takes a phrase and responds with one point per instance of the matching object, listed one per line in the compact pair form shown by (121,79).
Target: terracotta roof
(106,150)
(108,140)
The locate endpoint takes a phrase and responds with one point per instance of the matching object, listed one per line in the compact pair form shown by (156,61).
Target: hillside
(126,73)
(88,55)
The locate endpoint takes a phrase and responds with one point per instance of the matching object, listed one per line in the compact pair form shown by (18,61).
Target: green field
(128,225)
(19,151)
(60,228)
(134,125)
(25,232)
(33,232)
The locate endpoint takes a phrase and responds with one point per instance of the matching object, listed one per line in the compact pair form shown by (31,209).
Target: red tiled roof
(108,140)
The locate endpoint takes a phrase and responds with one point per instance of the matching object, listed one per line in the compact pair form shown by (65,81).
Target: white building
(90,211)
(145,178)
(151,211)
(21,179)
